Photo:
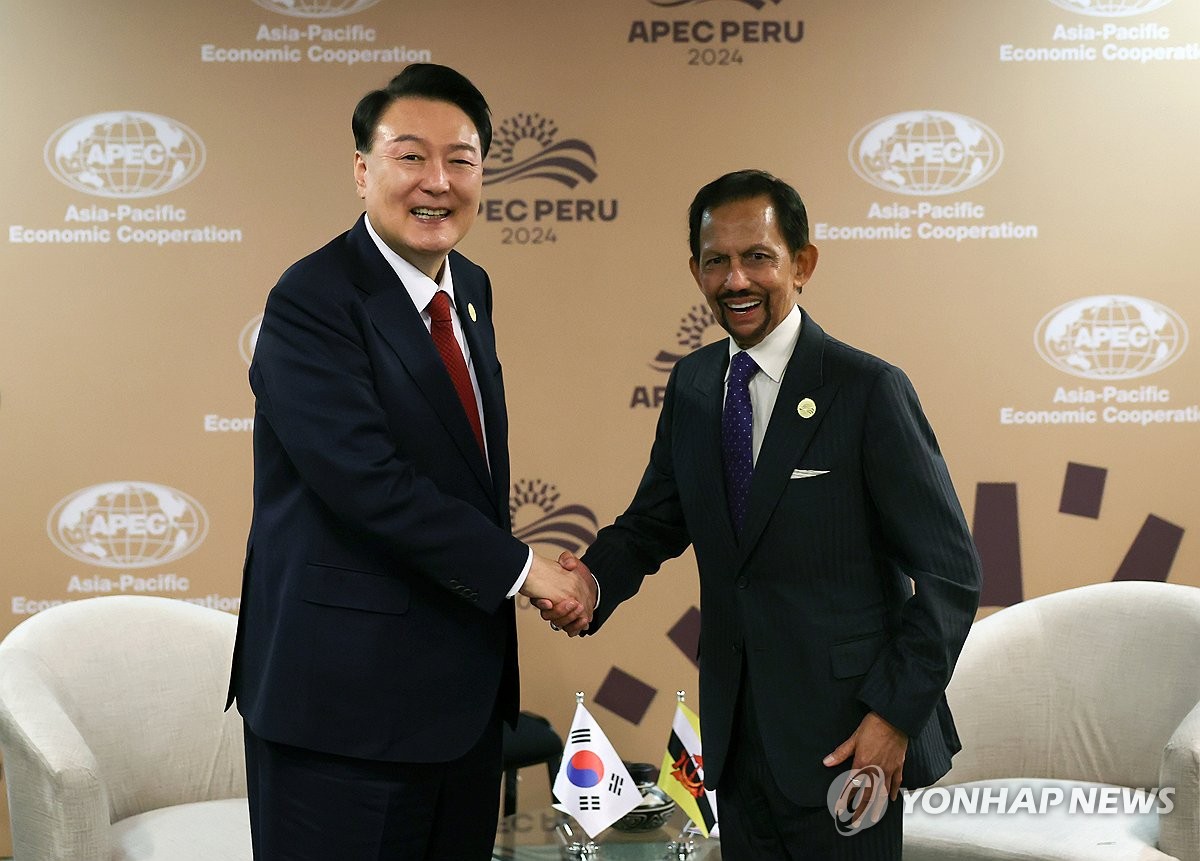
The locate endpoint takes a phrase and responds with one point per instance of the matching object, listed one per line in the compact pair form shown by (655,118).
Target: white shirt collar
(773,352)
(420,286)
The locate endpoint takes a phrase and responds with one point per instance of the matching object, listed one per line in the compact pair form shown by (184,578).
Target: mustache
(736,294)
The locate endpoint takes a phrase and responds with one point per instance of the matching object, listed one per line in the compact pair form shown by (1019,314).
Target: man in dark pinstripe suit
(816,656)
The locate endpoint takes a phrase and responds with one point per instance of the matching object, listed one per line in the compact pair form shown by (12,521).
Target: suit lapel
(399,323)
(473,304)
(708,466)
(788,433)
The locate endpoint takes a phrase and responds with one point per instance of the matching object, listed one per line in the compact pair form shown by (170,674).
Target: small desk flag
(682,775)
(593,784)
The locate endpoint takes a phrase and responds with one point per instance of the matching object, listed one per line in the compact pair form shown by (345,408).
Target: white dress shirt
(420,289)
(772,355)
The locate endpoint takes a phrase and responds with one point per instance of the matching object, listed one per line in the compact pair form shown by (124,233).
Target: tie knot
(439,307)
(741,368)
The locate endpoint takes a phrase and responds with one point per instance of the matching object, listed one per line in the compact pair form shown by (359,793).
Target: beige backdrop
(969,168)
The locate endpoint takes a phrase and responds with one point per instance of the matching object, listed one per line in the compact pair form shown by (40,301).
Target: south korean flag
(593,784)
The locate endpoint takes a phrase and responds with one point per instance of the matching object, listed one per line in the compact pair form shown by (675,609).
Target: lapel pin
(471,311)
(806,408)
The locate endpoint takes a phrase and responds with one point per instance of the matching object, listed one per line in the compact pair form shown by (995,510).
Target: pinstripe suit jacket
(814,601)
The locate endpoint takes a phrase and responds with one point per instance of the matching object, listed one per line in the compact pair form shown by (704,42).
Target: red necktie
(442,331)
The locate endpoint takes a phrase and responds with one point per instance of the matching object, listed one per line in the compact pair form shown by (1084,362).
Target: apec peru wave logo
(1111,337)
(125,154)
(697,328)
(316,8)
(524,147)
(248,338)
(1110,8)
(538,517)
(925,152)
(670,4)
(127,524)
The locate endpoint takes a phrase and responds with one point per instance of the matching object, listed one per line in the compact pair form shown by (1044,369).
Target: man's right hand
(566,598)
(557,614)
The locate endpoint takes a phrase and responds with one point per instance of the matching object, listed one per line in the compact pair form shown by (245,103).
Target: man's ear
(806,262)
(360,173)
(695,267)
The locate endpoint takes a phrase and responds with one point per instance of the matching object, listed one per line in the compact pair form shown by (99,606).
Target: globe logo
(127,524)
(125,154)
(248,338)
(925,153)
(1110,8)
(316,8)
(1111,337)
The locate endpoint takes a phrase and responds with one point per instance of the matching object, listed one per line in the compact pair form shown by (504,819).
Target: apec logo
(1110,8)
(125,154)
(316,8)
(926,153)
(127,524)
(248,338)
(1111,337)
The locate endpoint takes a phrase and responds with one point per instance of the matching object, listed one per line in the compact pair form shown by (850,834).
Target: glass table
(546,835)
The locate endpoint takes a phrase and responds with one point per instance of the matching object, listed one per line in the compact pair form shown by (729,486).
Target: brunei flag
(593,784)
(682,773)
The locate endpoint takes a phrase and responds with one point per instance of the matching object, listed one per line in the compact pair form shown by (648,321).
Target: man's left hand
(875,742)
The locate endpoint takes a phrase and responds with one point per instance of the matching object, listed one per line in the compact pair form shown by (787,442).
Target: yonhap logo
(1111,337)
(125,154)
(127,524)
(1110,8)
(925,152)
(316,8)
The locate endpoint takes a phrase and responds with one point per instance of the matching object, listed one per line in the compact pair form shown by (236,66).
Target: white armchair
(1092,687)
(116,746)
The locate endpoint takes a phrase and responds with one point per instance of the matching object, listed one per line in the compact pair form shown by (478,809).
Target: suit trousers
(759,823)
(311,806)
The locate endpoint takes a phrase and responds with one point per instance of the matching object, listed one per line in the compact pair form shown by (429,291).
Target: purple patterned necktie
(736,430)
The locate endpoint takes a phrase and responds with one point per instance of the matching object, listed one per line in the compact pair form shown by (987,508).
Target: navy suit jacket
(814,600)
(374,621)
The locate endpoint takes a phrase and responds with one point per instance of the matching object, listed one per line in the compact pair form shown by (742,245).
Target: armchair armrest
(1179,830)
(57,801)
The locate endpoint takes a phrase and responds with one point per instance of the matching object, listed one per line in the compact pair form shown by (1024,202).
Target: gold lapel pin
(471,312)
(806,408)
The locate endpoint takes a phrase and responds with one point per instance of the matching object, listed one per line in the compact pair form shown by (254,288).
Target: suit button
(742,582)
(736,648)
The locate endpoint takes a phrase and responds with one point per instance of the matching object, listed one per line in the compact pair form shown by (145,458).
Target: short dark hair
(743,185)
(423,81)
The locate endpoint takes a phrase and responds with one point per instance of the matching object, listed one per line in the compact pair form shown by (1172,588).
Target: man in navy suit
(376,653)
(806,477)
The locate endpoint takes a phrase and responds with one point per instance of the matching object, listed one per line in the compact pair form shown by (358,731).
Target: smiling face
(422,179)
(745,270)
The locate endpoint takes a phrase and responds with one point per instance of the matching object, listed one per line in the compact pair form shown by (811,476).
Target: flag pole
(683,845)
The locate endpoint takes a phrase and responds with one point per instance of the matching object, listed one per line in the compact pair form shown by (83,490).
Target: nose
(737,278)
(436,178)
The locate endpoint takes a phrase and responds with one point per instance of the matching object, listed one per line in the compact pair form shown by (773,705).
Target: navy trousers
(311,806)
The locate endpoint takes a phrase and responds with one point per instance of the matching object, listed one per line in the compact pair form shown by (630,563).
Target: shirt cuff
(521,579)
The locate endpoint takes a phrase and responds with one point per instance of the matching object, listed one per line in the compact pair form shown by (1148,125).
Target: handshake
(565,592)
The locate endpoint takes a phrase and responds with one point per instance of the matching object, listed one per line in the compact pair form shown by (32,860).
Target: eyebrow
(408,138)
